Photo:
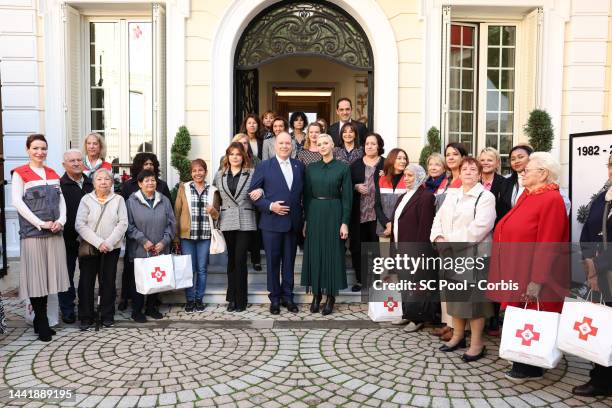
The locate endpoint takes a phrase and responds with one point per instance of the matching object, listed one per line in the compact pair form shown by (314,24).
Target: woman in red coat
(538,267)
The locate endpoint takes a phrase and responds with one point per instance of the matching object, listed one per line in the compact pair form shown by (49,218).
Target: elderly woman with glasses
(412,219)
(527,250)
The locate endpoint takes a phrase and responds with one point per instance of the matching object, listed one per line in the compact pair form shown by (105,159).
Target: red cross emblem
(390,304)
(158,274)
(527,335)
(585,328)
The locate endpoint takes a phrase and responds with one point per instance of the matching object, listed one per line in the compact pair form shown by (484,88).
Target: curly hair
(140,159)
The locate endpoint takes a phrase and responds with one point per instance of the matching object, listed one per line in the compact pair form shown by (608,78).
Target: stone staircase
(216,284)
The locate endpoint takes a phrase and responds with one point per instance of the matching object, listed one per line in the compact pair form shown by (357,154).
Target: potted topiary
(433,145)
(178,157)
(540,131)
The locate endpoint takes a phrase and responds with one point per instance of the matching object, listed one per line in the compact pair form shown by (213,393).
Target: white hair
(71,151)
(546,161)
(102,170)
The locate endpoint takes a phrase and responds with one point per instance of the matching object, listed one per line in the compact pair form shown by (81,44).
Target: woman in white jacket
(466,219)
(101,222)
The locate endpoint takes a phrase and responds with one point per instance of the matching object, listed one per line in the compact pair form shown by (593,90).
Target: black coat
(417,217)
(131,186)
(334,132)
(73,193)
(357,177)
(496,189)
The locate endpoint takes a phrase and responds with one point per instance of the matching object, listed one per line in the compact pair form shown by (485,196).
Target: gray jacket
(269,151)
(237,212)
(156,224)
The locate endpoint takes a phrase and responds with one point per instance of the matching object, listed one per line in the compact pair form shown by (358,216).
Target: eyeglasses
(526,170)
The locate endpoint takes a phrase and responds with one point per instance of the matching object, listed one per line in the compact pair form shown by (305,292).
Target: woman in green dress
(328,196)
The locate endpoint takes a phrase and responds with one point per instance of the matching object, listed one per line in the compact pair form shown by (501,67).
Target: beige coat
(114,220)
(182,211)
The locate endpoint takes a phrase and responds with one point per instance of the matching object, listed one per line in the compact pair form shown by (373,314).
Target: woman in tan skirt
(42,214)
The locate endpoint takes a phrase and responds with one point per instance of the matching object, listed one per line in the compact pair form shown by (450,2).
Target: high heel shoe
(460,344)
(316,303)
(469,358)
(329,305)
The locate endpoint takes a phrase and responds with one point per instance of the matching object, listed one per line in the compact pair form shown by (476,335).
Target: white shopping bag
(183,271)
(585,330)
(530,337)
(154,274)
(52,311)
(388,310)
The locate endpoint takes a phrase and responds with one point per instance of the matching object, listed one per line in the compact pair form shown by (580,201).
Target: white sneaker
(400,322)
(412,327)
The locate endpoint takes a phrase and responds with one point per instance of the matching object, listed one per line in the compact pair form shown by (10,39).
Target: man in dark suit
(344,109)
(74,185)
(281,180)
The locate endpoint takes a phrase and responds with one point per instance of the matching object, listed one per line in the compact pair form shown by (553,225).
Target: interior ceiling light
(305,92)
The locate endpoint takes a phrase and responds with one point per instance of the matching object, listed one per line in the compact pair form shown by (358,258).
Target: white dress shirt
(285,166)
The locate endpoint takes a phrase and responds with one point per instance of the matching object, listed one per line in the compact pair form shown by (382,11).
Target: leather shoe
(239,309)
(275,308)
(70,319)
(316,303)
(292,307)
(469,358)
(329,306)
(231,307)
(447,349)
(356,288)
(590,390)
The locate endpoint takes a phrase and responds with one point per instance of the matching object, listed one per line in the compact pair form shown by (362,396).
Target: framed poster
(588,157)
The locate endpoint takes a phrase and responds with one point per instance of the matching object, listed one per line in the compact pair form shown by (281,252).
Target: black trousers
(255,245)
(366,233)
(237,273)
(601,377)
(138,300)
(127,278)
(66,299)
(104,267)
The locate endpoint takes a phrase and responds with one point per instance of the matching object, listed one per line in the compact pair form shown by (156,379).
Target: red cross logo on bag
(158,274)
(585,328)
(527,335)
(390,304)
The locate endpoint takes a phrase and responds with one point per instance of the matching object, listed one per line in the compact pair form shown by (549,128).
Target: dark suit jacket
(417,216)
(269,177)
(358,177)
(503,195)
(496,189)
(334,132)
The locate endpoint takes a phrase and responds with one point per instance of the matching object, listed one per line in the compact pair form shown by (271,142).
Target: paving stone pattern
(382,366)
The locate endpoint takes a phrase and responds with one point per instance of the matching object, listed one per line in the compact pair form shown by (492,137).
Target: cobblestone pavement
(201,360)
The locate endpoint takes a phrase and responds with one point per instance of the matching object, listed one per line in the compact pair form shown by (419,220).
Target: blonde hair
(101,142)
(439,158)
(492,151)
(546,161)
(239,136)
(328,137)
(307,141)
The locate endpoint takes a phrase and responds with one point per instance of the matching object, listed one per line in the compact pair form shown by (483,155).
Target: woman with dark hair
(197,204)
(389,187)
(278,125)
(298,122)
(349,150)
(363,214)
(310,152)
(39,202)
(512,188)
(238,222)
(266,121)
(142,161)
(151,229)
(252,127)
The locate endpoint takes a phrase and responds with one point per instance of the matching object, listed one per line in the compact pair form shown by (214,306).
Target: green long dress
(323,268)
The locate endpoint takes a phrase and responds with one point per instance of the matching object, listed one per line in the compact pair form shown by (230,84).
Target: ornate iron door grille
(298,28)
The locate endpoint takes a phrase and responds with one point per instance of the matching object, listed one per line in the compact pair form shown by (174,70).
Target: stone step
(258,293)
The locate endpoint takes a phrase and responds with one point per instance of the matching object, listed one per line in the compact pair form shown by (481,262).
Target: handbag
(154,274)
(86,250)
(217,241)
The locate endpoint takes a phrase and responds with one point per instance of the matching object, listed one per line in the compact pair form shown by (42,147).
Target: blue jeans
(199,250)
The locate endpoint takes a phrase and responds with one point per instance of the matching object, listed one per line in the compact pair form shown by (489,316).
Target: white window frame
(123,21)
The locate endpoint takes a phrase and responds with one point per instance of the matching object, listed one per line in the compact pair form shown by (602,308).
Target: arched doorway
(312,29)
